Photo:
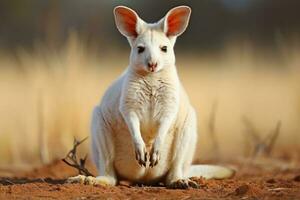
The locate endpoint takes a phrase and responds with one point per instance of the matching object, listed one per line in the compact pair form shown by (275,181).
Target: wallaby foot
(185,147)
(90,180)
(76,179)
(183,184)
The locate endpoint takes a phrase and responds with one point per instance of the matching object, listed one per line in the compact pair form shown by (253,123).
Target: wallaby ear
(127,21)
(176,20)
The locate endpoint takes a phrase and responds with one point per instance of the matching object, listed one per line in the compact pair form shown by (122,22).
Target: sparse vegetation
(72,160)
(52,93)
(239,62)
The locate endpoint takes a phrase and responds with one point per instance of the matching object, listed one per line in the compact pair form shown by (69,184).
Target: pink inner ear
(175,21)
(129,21)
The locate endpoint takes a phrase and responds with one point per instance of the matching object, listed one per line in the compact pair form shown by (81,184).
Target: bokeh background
(238,60)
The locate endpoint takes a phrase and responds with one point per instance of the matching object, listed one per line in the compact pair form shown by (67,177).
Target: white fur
(145,128)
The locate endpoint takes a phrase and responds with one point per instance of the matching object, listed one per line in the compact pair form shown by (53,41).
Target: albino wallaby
(145,128)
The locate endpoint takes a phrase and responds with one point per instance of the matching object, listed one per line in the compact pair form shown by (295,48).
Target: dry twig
(71,159)
(261,146)
(272,137)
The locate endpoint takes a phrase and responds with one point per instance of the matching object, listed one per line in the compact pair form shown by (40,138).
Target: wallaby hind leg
(102,153)
(185,145)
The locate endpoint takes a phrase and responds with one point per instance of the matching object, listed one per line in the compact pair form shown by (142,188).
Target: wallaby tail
(210,172)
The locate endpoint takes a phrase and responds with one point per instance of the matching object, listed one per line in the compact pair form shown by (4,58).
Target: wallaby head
(152,45)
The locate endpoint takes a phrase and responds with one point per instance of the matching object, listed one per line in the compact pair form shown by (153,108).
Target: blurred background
(238,60)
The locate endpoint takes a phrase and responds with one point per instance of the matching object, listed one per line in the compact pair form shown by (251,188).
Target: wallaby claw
(141,156)
(183,184)
(154,158)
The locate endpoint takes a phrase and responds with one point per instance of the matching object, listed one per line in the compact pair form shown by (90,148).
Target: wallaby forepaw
(141,155)
(154,158)
(183,184)
(154,154)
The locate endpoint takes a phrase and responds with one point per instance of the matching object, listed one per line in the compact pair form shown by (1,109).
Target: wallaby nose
(152,66)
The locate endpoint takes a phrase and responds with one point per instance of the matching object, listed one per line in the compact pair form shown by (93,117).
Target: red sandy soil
(253,180)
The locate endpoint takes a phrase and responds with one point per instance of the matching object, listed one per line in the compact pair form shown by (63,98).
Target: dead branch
(254,135)
(251,129)
(261,146)
(71,159)
(271,139)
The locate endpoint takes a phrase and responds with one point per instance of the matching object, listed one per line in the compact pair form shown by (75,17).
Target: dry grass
(51,94)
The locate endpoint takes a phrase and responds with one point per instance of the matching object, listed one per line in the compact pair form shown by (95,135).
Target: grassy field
(47,98)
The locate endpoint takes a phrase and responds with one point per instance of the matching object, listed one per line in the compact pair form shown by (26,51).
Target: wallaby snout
(152,66)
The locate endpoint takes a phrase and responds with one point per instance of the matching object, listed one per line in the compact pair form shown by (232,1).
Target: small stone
(297,178)
(242,190)
(271,180)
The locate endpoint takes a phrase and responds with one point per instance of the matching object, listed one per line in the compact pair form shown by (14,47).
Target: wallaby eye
(164,49)
(141,49)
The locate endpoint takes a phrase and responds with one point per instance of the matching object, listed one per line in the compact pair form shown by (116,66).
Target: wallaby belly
(126,165)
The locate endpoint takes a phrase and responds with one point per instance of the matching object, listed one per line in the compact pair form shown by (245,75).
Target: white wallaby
(145,128)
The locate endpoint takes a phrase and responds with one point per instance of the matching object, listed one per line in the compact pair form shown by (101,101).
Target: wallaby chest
(152,99)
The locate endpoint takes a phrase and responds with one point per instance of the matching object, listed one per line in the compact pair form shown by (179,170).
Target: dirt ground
(259,179)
